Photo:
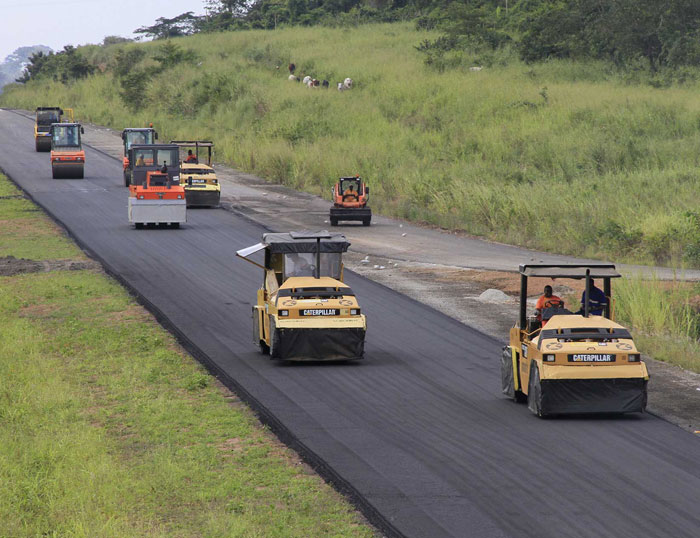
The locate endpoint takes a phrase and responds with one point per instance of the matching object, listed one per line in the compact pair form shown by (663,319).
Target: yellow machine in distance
(304,311)
(569,363)
(45,117)
(202,187)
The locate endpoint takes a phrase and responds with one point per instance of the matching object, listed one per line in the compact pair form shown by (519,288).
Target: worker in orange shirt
(350,194)
(548,300)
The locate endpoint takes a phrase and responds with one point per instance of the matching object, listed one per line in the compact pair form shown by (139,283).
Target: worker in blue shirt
(597,303)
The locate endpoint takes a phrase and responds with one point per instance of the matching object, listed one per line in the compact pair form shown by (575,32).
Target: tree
(183,24)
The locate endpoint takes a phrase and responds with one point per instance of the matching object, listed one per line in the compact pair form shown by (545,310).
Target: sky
(58,23)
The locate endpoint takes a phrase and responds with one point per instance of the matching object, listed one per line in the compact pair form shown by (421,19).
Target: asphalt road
(418,431)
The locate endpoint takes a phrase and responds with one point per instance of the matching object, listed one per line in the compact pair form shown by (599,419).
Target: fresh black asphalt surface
(418,433)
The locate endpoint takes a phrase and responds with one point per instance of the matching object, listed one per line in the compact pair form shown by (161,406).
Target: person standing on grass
(597,303)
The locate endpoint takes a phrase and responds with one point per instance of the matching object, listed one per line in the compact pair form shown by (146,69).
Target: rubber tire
(138,225)
(81,175)
(264,348)
(274,338)
(534,391)
(174,225)
(366,222)
(334,221)
(126,180)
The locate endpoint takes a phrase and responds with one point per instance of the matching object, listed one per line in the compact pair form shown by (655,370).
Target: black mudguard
(202,198)
(318,344)
(574,396)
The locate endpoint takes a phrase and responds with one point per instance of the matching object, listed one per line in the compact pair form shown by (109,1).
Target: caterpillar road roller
(137,136)
(350,197)
(197,175)
(562,362)
(45,117)
(155,194)
(304,311)
(67,155)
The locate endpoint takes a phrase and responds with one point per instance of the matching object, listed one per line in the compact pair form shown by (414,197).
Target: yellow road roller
(304,311)
(563,362)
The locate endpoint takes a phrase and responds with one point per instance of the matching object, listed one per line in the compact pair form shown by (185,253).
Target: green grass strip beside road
(107,428)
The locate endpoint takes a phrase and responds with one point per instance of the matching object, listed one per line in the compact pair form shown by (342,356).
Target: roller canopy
(570,271)
(286,243)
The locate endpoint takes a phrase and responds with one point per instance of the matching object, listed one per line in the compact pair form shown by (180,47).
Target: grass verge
(107,428)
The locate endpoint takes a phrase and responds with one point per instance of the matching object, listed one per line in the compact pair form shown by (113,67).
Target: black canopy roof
(305,241)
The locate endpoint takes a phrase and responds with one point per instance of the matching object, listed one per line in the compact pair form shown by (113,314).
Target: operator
(548,300)
(191,157)
(300,266)
(140,161)
(350,193)
(597,303)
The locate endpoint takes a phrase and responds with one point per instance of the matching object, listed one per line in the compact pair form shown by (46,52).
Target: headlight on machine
(549,357)
(354,311)
(634,357)
(284,312)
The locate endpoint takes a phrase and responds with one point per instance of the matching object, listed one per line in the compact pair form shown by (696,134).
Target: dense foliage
(68,64)
(624,31)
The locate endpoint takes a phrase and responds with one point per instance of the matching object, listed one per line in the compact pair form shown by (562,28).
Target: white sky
(76,22)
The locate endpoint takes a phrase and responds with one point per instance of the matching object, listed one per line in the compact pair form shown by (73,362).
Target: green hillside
(563,156)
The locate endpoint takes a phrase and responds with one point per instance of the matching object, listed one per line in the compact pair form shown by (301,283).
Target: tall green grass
(563,156)
(664,316)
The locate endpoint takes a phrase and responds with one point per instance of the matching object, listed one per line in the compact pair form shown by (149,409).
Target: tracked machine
(350,197)
(45,117)
(304,311)
(135,136)
(155,194)
(67,155)
(199,179)
(571,363)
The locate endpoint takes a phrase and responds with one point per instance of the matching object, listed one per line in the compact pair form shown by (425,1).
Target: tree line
(661,32)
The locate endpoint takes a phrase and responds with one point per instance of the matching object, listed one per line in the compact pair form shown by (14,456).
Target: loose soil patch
(10,266)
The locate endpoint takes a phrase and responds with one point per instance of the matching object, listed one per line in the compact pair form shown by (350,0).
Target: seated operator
(191,157)
(547,300)
(350,193)
(299,265)
(597,303)
(140,161)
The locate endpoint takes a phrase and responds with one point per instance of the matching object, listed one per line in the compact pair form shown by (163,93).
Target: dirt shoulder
(474,281)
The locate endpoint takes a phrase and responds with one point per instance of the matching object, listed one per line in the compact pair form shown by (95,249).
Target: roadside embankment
(560,156)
